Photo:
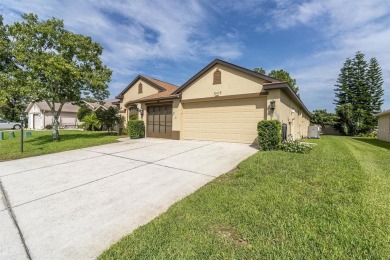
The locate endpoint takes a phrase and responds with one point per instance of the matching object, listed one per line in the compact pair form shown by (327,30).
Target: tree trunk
(55,133)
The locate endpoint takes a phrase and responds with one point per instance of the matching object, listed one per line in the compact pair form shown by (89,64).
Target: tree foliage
(358,95)
(58,65)
(281,75)
(323,118)
(109,118)
(83,111)
(91,122)
(12,98)
(259,70)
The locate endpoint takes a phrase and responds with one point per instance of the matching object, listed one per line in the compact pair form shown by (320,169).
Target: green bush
(269,134)
(296,147)
(136,129)
(48,127)
(133,116)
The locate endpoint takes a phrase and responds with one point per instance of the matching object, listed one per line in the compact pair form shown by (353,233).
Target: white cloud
(133,32)
(346,27)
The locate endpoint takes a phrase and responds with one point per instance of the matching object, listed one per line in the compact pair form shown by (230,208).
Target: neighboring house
(384,125)
(107,103)
(222,102)
(39,115)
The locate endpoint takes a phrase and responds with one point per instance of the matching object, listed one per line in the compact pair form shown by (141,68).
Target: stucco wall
(38,118)
(384,128)
(289,112)
(132,94)
(233,82)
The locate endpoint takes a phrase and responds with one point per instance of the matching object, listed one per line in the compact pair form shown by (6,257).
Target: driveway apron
(75,204)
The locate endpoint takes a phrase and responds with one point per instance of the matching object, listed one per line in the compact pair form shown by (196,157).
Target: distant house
(106,104)
(384,125)
(39,116)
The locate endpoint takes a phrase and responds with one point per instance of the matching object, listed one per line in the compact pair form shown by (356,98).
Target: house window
(217,77)
(140,88)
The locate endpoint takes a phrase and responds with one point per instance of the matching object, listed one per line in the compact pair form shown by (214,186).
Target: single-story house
(39,113)
(384,125)
(106,104)
(222,102)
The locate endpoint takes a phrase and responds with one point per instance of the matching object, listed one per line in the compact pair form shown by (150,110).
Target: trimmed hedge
(136,129)
(269,134)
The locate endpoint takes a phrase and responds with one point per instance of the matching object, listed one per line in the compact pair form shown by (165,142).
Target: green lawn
(333,203)
(41,143)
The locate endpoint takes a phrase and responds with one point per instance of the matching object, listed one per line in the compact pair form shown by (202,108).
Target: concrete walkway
(75,204)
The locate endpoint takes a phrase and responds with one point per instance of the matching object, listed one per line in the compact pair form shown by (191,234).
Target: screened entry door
(159,121)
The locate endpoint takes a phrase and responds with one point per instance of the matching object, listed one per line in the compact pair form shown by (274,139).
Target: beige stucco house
(222,102)
(384,125)
(39,115)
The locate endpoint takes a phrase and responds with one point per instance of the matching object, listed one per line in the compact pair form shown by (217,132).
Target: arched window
(217,77)
(140,88)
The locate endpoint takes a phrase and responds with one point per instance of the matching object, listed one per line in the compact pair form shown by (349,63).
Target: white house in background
(384,125)
(39,116)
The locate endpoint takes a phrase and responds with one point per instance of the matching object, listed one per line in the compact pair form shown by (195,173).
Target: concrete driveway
(75,204)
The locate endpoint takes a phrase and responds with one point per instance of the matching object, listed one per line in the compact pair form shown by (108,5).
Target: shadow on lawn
(375,142)
(45,139)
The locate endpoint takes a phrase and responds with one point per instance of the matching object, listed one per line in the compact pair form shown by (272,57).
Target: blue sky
(173,40)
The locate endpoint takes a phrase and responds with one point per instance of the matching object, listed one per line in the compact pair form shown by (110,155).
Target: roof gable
(227,64)
(158,84)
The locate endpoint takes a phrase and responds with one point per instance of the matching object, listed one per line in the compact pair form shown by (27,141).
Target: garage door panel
(230,120)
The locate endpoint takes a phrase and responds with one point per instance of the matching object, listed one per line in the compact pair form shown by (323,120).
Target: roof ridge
(148,77)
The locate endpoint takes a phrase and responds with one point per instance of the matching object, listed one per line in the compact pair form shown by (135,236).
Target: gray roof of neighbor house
(383,113)
(43,106)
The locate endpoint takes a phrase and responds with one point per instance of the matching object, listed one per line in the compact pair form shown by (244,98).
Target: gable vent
(140,88)
(217,77)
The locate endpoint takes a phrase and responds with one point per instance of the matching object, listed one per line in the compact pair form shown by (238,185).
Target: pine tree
(375,82)
(358,95)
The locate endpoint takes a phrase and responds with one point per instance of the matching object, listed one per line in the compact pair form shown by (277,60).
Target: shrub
(49,127)
(133,117)
(269,134)
(136,129)
(91,122)
(83,111)
(296,147)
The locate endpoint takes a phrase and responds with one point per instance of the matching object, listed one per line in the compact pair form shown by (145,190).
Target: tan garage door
(228,120)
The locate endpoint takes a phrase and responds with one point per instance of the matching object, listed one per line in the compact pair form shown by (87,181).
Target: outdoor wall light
(272,105)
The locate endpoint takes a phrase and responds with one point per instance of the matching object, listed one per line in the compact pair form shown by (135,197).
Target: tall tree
(59,65)
(280,75)
(323,118)
(375,81)
(358,95)
(284,76)
(259,70)
(12,100)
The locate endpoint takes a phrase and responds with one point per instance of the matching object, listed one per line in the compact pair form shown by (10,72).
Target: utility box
(313,132)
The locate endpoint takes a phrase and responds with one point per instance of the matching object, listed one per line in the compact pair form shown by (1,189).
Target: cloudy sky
(173,40)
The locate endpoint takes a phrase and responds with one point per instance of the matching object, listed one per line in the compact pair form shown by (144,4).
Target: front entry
(159,121)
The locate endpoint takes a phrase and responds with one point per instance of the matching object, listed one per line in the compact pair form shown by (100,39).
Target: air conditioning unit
(313,132)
